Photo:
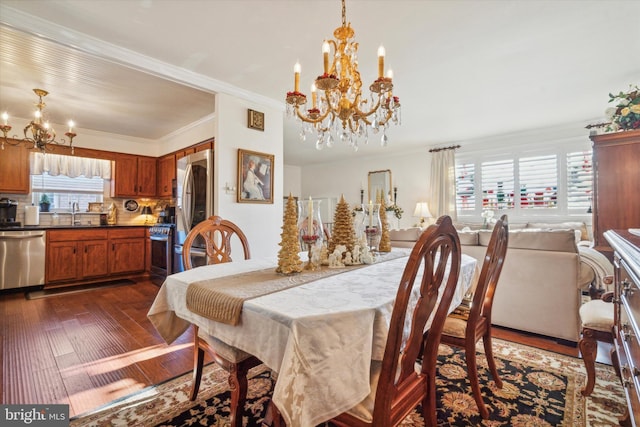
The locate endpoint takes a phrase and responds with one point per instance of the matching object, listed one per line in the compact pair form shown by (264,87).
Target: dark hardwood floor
(88,348)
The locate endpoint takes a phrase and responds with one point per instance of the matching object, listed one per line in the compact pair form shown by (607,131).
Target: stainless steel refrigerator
(194,201)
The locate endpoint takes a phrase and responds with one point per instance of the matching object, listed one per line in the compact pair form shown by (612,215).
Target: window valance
(71,166)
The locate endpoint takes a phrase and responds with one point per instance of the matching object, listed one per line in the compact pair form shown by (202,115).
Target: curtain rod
(452,147)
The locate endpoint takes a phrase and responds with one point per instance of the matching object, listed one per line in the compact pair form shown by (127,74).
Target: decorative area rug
(540,389)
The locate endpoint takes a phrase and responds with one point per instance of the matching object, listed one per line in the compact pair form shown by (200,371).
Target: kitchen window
(68,179)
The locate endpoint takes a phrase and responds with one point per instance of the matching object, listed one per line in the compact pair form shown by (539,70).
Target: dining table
(319,331)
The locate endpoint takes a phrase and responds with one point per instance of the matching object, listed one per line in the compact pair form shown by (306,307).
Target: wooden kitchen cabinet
(91,254)
(73,255)
(127,246)
(616,175)
(14,169)
(166,174)
(133,176)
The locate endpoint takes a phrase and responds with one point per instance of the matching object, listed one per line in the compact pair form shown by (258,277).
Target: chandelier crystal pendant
(38,132)
(340,110)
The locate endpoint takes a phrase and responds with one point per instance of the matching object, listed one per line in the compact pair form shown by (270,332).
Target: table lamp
(422,212)
(146,212)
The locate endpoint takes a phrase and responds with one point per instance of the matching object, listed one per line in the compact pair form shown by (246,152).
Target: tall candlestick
(310,218)
(325,56)
(370,213)
(381,53)
(296,76)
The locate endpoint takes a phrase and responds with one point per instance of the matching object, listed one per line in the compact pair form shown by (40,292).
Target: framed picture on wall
(255,177)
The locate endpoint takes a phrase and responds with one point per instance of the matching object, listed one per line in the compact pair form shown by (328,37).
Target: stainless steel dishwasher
(22,258)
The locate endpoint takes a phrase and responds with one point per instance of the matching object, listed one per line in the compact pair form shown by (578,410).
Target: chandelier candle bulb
(5,118)
(390,74)
(314,96)
(296,72)
(325,56)
(71,124)
(381,53)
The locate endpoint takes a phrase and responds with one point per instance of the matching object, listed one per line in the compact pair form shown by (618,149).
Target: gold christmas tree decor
(385,240)
(288,259)
(343,232)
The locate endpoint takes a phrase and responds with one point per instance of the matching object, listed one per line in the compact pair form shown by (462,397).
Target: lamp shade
(146,210)
(422,210)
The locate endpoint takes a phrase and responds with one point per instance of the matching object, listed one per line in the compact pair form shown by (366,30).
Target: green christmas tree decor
(288,259)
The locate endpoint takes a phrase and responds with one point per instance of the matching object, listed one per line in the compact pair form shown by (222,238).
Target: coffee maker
(8,209)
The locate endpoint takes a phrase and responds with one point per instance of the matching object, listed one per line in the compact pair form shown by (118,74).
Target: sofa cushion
(405,234)
(542,240)
(575,225)
(468,237)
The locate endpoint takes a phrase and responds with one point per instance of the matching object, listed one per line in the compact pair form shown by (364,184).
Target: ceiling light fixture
(341,109)
(38,132)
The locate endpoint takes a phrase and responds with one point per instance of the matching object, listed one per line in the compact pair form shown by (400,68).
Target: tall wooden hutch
(616,185)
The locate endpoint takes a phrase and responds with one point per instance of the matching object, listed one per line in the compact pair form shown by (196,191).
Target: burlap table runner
(221,299)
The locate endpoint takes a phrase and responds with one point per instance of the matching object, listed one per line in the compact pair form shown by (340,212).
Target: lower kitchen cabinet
(78,256)
(127,247)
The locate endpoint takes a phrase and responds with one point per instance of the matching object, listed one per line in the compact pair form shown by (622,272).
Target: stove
(162,239)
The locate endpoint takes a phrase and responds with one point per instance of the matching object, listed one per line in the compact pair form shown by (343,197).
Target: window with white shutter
(497,184)
(465,187)
(538,182)
(579,181)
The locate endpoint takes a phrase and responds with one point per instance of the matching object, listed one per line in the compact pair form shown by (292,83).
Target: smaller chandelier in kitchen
(38,132)
(340,109)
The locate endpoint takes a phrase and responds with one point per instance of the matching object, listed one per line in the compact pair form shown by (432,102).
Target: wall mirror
(380,182)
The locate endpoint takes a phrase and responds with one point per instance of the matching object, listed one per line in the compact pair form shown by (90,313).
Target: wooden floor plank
(89,348)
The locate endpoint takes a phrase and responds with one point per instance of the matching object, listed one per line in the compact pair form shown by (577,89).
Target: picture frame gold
(255,177)
(95,207)
(256,120)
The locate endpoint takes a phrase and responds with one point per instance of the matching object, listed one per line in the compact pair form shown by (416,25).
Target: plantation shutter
(538,182)
(497,184)
(579,180)
(465,187)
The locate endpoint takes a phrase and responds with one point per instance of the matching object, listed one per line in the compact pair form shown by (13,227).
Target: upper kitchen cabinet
(14,169)
(166,174)
(133,176)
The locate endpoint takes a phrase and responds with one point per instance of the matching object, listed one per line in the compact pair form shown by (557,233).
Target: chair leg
(472,372)
(238,384)
(589,350)
(429,407)
(488,351)
(198,362)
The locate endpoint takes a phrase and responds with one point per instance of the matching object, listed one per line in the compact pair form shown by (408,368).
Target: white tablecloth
(320,337)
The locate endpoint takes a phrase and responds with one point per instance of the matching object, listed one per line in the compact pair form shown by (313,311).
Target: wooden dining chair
(217,234)
(397,385)
(464,328)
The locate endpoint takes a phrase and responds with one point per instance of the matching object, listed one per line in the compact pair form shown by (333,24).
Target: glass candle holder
(372,225)
(310,227)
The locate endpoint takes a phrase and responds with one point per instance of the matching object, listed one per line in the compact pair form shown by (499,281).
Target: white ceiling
(463,69)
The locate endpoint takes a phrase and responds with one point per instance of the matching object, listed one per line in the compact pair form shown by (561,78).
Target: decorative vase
(310,228)
(371,225)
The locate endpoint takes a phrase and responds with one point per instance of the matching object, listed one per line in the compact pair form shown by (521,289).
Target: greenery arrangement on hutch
(626,114)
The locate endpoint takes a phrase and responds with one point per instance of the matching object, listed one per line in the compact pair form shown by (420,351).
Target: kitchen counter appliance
(8,210)
(194,201)
(22,258)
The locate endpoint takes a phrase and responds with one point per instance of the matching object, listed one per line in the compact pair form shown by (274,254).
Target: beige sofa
(539,290)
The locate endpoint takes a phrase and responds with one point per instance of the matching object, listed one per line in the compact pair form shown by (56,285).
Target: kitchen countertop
(69,227)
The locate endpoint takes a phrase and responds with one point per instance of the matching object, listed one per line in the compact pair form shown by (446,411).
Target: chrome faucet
(75,208)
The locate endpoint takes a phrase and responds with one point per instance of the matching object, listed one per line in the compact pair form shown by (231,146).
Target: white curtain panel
(70,166)
(443,184)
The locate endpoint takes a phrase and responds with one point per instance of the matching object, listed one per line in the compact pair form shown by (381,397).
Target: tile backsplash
(123,216)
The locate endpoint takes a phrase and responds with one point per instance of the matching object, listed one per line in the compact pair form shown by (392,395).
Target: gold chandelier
(341,108)
(38,132)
